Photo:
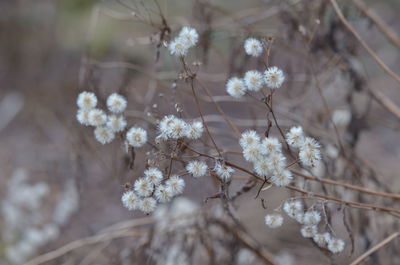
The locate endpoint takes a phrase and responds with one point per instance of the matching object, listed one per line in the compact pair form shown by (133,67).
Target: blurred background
(58,184)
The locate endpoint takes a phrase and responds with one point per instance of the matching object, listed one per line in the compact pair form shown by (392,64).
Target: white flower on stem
(130,200)
(97,117)
(143,187)
(253,47)
(235,87)
(178,47)
(153,175)
(270,145)
(273,220)
(223,171)
(299,217)
(293,207)
(274,77)
(277,161)
(136,136)
(86,100)
(83,117)
(327,236)
(178,128)
(103,135)
(308,231)
(164,127)
(194,130)
(336,245)
(197,168)
(147,205)
(312,217)
(319,239)
(163,194)
(189,36)
(253,80)
(252,153)
(309,152)
(295,137)
(175,184)
(262,167)
(116,103)
(249,137)
(116,123)
(282,178)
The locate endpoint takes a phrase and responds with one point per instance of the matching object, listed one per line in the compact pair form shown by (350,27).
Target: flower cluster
(171,127)
(187,38)
(150,189)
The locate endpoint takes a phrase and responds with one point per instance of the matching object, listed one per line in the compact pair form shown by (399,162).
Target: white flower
(136,136)
(336,245)
(103,135)
(153,175)
(262,167)
(178,128)
(319,239)
(273,220)
(312,217)
(293,207)
(163,194)
(295,137)
(249,137)
(276,161)
(175,184)
(309,152)
(253,47)
(282,178)
(116,103)
(270,145)
(97,117)
(327,236)
(143,187)
(130,200)
(223,171)
(253,80)
(252,153)
(147,205)
(83,116)
(115,123)
(86,100)
(194,130)
(189,36)
(274,77)
(178,47)
(197,168)
(308,231)
(235,87)
(164,127)
(299,217)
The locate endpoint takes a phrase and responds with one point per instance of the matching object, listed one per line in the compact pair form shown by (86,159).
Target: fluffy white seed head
(163,194)
(104,135)
(116,123)
(175,184)
(293,207)
(270,145)
(309,152)
(178,47)
(164,127)
(312,217)
(143,187)
(262,167)
(86,100)
(319,239)
(282,178)
(336,245)
(274,77)
(189,36)
(277,161)
(253,47)
(197,168)
(194,130)
(235,87)
(116,103)
(178,129)
(97,117)
(147,205)
(130,200)
(308,231)
(295,137)
(223,171)
(252,153)
(249,137)
(153,175)
(253,80)
(273,220)
(136,136)
(83,117)
(299,217)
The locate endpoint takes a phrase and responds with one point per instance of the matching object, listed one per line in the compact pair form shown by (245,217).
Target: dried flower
(295,137)
(235,87)
(253,47)
(103,135)
(197,168)
(249,137)
(270,145)
(282,178)
(136,136)
(178,47)
(97,117)
(175,184)
(274,77)
(308,231)
(273,220)
(143,187)
(223,171)
(116,123)
(309,152)
(163,194)
(116,103)
(252,153)
(312,217)
(194,130)
(336,245)
(130,200)
(83,117)
(153,175)
(253,80)
(189,36)
(86,100)
(147,205)
(292,207)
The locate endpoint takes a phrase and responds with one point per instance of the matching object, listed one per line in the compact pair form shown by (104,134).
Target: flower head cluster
(197,168)
(274,77)
(171,127)
(253,47)
(105,125)
(187,38)
(150,189)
